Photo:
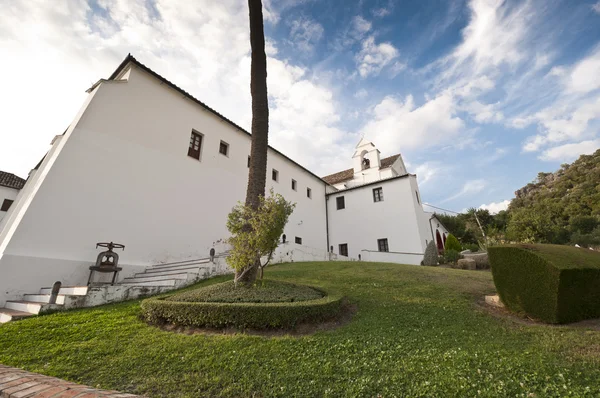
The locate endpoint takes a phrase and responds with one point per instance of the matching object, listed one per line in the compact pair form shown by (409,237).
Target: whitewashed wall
(363,221)
(122,174)
(391,257)
(7,193)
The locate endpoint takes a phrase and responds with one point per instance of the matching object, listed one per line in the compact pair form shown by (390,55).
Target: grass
(417,333)
(265,291)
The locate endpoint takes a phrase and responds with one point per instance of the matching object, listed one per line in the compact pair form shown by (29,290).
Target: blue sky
(478,96)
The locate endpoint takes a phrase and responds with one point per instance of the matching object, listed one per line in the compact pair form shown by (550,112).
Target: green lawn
(417,332)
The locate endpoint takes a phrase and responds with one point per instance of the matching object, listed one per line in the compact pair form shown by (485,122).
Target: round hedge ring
(220,306)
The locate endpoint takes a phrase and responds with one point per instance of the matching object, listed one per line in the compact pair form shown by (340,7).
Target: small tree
(452,243)
(431,255)
(266,226)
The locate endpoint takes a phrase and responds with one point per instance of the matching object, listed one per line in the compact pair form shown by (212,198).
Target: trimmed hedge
(283,315)
(556,284)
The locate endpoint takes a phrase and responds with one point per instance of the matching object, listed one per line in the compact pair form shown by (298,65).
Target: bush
(431,254)
(242,315)
(452,243)
(265,291)
(473,247)
(451,256)
(556,284)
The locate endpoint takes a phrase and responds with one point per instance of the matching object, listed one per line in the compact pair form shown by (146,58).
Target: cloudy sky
(479,95)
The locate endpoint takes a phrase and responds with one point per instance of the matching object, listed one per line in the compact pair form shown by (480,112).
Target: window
(382,244)
(224,148)
(308,193)
(343,249)
(275,175)
(298,240)
(340,202)
(6,204)
(378,195)
(195,145)
(294,185)
(248,161)
(283,237)
(417,194)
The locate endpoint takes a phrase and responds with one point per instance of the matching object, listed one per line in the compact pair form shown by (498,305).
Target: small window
(378,195)
(417,194)
(224,148)
(6,204)
(275,175)
(195,145)
(382,244)
(283,237)
(343,249)
(298,240)
(308,193)
(294,185)
(340,202)
(248,161)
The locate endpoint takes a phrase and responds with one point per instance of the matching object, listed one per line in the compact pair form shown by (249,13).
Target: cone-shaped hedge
(452,243)
(556,284)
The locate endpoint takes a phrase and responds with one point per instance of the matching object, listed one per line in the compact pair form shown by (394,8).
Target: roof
(131,59)
(11,181)
(377,182)
(345,175)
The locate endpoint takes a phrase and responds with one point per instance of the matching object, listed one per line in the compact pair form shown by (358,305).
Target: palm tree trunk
(260,121)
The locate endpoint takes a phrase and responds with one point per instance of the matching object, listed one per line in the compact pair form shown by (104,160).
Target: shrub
(556,284)
(431,255)
(265,291)
(451,256)
(469,246)
(452,243)
(242,315)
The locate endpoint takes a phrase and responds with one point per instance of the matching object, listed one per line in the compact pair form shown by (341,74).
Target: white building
(10,185)
(147,165)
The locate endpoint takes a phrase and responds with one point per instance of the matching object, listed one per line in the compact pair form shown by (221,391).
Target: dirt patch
(503,313)
(304,329)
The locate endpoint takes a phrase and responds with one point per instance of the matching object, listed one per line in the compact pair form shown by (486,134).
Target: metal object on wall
(107,261)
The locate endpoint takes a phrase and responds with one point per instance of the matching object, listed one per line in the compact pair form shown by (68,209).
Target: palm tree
(260,123)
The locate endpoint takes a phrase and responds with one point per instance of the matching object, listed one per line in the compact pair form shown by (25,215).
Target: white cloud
(360,26)
(469,188)
(53,51)
(382,12)
(305,33)
(374,57)
(399,125)
(584,75)
(570,152)
(596,7)
(496,207)
(428,171)
(361,94)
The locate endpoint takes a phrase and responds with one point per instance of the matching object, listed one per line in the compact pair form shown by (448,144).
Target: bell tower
(366,156)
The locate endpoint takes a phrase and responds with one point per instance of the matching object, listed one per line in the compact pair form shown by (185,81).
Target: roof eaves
(371,183)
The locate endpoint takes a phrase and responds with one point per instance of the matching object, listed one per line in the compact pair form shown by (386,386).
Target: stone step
(189,271)
(181,263)
(25,306)
(151,278)
(7,315)
(162,282)
(43,298)
(67,290)
(174,269)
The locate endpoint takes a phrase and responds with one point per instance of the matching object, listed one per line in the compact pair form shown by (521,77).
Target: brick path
(17,383)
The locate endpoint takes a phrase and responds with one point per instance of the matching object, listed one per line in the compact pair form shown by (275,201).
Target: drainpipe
(326,219)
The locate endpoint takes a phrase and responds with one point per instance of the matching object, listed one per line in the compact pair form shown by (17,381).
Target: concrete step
(43,298)
(151,278)
(162,282)
(7,315)
(67,290)
(159,271)
(182,263)
(189,271)
(25,306)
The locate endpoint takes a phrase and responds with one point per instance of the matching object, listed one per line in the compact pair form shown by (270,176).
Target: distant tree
(266,225)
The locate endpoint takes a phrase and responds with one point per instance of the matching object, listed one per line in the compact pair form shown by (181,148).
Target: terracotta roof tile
(11,181)
(345,175)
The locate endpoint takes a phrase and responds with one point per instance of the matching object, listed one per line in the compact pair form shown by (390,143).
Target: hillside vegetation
(561,207)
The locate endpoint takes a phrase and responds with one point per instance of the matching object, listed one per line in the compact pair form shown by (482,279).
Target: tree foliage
(452,243)
(256,232)
(431,254)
